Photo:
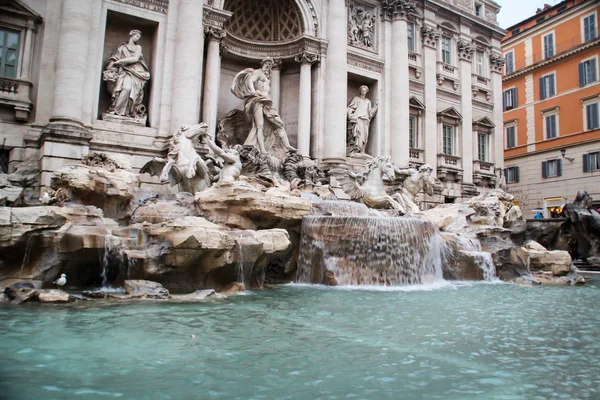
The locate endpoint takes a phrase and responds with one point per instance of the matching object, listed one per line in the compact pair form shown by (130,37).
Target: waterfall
(369,250)
(472,247)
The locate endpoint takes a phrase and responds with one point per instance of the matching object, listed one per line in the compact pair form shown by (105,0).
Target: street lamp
(563,152)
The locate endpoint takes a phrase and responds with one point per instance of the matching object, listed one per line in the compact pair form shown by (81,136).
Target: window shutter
(586,163)
(516,174)
(552,91)
(595,123)
(515,102)
(506,175)
(505,100)
(593,76)
(589,117)
(544,169)
(559,167)
(581,67)
(542,89)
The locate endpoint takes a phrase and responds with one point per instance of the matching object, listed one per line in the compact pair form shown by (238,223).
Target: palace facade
(433,67)
(551,106)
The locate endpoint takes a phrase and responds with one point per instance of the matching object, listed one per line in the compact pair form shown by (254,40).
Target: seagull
(60,282)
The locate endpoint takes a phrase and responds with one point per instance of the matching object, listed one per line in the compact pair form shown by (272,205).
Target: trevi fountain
(259,275)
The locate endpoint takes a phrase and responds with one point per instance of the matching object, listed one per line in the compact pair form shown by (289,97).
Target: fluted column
(496,64)
(431,39)
(336,80)
(212,79)
(304,96)
(187,70)
(72,60)
(383,148)
(465,56)
(276,83)
(399,120)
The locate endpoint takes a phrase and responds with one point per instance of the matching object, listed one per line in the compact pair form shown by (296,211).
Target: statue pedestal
(125,120)
(357,162)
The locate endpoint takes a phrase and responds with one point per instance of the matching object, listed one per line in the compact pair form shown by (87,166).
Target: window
(509,65)
(511,136)
(547,86)
(482,146)
(511,174)
(551,126)
(516,31)
(412,130)
(9,50)
(4,157)
(411,36)
(548,45)
(479,63)
(479,10)
(588,72)
(510,98)
(551,168)
(540,19)
(591,162)
(448,140)
(590,27)
(592,119)
(446,50)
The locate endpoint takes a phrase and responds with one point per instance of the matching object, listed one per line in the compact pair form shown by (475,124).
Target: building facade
(551,101)
(433,67)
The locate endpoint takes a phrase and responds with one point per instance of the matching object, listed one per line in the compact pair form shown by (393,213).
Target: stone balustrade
(16,93)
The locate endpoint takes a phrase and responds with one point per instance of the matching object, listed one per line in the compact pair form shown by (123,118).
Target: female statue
(126,75)
(360,114)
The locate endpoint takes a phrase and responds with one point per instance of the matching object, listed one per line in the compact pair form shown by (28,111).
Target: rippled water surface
(451,341)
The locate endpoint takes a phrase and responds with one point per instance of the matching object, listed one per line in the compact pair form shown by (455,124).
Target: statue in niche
(500,179)
(413,182)
(126,74)
(267,132)
(183,165)
(360,114)
(361,24)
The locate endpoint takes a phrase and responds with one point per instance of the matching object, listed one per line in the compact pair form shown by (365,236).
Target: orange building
(551,103)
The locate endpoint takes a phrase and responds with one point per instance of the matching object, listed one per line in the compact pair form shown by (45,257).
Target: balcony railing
(15,93)
(417,155)
(8,87)
(450,162)
(483,167)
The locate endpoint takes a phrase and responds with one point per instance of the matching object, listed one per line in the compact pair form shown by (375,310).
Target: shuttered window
(547,86)
(551,168)
(590,28)
(591,161)
(509,65)
(587,72)
(511,174)
(448,140)
(411,36)
(548,45)
(9,53)
(446,50)
(510,99)
(592,118)
(412,130)
(551,126)
(511,137)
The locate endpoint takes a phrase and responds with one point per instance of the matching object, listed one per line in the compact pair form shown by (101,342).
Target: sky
(514,11)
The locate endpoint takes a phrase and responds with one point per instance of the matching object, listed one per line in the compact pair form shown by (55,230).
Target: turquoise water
(450,341)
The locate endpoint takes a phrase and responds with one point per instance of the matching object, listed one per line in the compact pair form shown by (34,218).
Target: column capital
(397,9)
(431,36)
(306,58)
(214,33)
(496,62)
(466,50)
(277,63)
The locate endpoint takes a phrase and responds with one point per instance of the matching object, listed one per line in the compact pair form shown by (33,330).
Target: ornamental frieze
(362,25)
(160,6)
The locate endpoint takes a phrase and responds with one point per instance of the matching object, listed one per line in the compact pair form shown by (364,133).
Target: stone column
(496,64)
(306,60)
(72,60)
(64,140)
(383,148)
(26,63)
(187,70)
(276,83)
(336,83)
(431,38)
(400,106)
(465,57)
(212,79)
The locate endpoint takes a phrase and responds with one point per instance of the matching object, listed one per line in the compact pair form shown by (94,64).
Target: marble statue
(369,187)
(360,114)
(232,164)
(267,132)
(500,179)
(183,165)
(361,24)
(126,74)
(301,172)
(414,181)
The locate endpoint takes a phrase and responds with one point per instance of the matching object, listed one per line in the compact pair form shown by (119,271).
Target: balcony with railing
(417,156)
(483,167)
(447,72)
(15,93)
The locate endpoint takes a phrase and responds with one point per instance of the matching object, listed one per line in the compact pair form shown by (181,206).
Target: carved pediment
(17,8)
(416,103)
(484,122)
(450,113)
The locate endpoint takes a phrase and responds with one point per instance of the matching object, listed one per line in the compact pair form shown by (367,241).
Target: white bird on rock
(60,282)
